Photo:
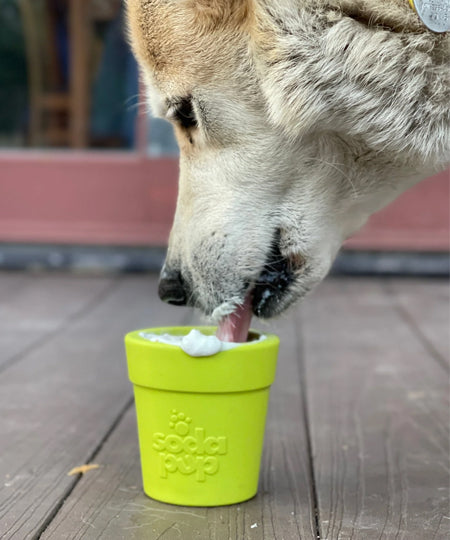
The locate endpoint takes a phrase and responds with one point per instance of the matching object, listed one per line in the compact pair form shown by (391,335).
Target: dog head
(277,167)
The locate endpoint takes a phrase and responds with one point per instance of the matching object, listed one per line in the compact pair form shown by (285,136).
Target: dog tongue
(234,327)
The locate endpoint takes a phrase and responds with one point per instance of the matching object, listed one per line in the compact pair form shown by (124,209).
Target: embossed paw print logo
(180,422)
(188,449)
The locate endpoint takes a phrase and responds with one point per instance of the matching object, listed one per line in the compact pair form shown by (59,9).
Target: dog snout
(172,288)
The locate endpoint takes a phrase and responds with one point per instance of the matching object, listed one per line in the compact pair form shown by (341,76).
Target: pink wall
(86,198)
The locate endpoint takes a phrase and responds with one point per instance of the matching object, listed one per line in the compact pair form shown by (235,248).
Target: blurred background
(88,180)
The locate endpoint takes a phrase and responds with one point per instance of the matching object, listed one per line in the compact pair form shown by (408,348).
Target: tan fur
(187,49)
(312,114)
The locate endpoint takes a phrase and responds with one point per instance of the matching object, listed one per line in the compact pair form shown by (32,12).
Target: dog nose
(171,288)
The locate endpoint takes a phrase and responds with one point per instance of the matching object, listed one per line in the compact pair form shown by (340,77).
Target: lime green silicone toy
(200,420)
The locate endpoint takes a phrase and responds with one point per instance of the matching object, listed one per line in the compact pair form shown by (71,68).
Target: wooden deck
(357,442)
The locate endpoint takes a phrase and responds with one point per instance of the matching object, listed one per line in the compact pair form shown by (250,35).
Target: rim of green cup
(167,367)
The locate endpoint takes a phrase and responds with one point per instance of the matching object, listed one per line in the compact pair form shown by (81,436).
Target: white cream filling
(195,343)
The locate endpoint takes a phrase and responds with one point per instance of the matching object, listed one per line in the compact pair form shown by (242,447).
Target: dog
(296,120)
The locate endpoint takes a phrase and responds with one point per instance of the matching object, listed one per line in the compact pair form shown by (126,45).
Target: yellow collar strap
(435,14)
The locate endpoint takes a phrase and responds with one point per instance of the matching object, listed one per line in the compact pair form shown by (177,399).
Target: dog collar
(435,14)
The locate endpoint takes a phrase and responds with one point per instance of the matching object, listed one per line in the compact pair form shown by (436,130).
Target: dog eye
(184,114)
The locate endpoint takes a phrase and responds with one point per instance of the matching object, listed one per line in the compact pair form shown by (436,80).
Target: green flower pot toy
(200,420)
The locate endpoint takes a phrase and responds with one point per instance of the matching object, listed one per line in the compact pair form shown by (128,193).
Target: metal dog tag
(435,14)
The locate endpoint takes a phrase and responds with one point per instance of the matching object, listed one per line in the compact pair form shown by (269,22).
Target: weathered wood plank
(34,306)
(59,402)
(11,283)
(378,406)
(425,306)
(109,502)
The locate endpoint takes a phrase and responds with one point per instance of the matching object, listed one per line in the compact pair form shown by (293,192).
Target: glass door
(80,161)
